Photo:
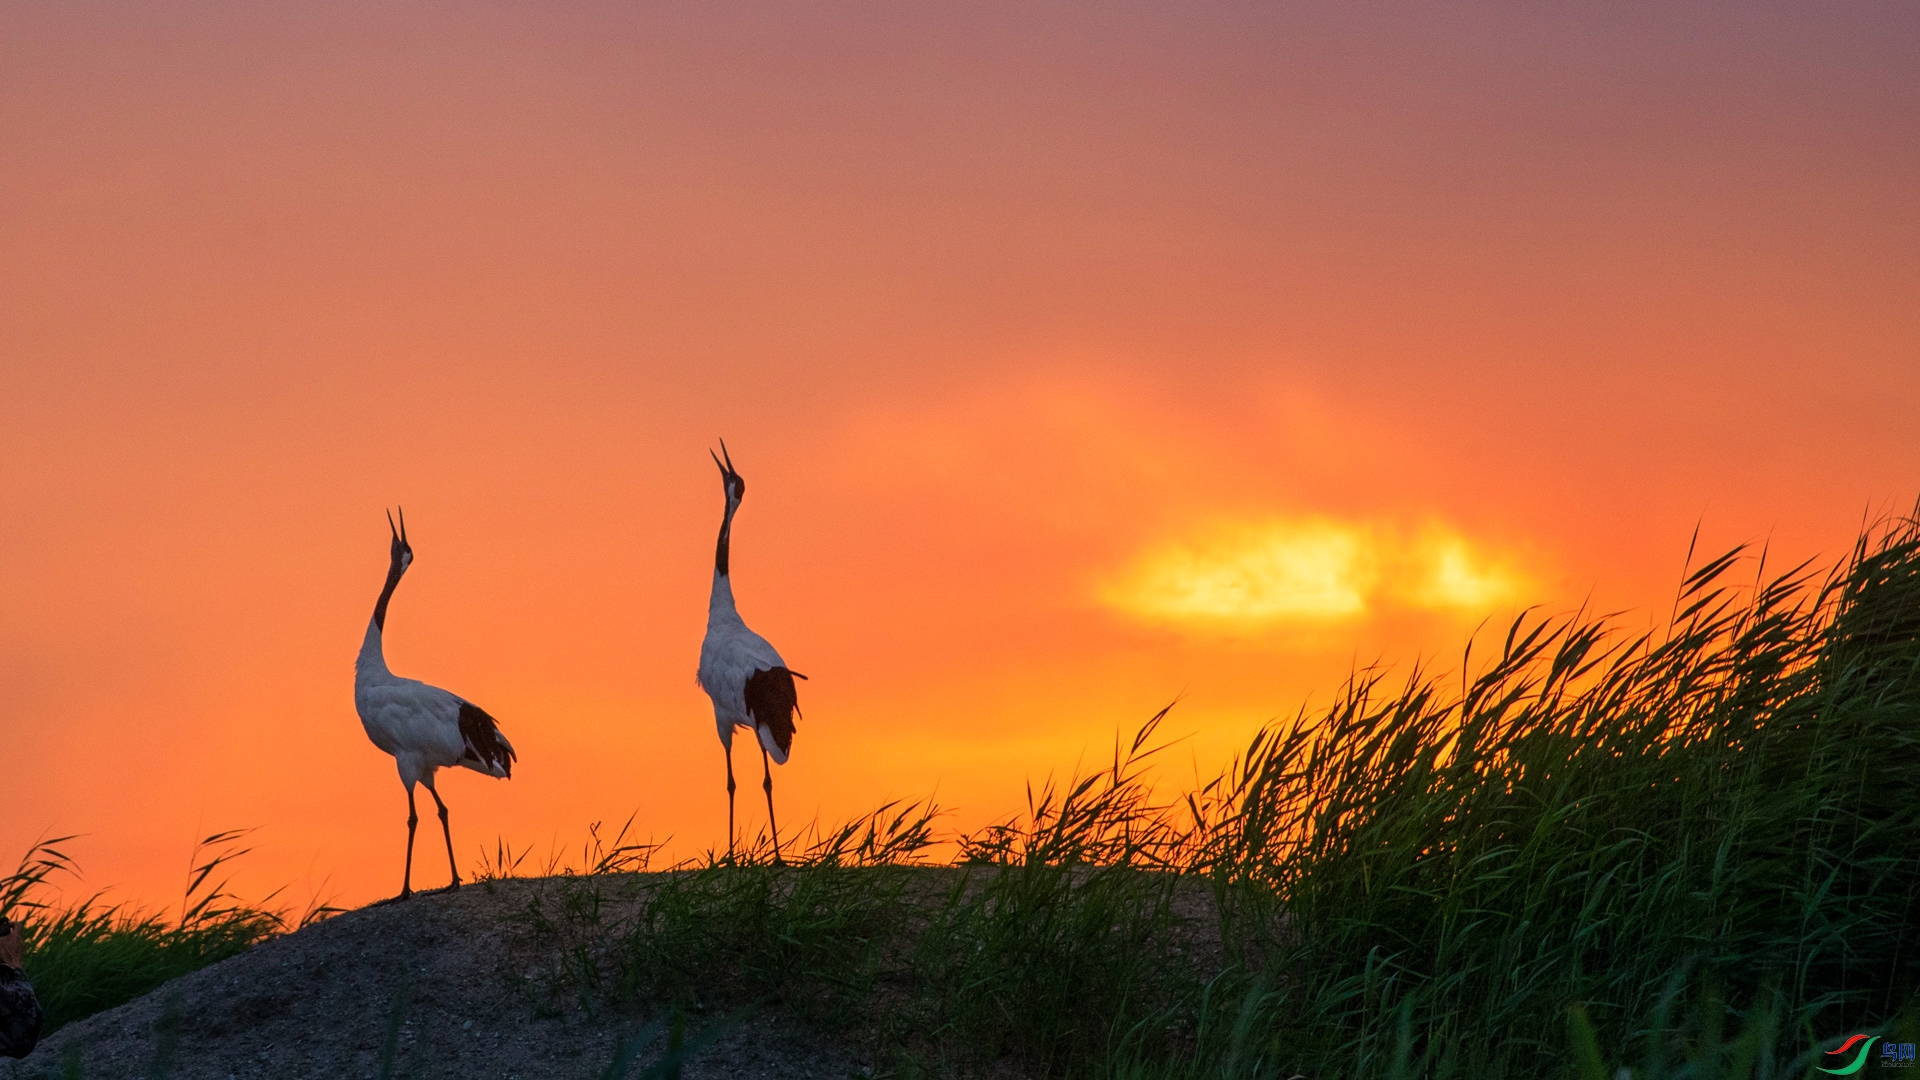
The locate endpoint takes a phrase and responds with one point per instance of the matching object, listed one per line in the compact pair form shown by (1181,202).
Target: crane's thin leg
(413,819)
(452,867)
(729,749)
(767,785)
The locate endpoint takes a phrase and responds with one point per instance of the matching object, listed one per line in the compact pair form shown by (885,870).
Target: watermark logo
(1859,1062)
(1892,1055)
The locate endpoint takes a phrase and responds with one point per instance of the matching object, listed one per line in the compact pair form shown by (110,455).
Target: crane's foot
(406,894)
(448,888)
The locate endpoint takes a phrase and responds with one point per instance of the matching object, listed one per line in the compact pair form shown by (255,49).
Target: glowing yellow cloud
(1314,570)
(1254,573)
(1446,573)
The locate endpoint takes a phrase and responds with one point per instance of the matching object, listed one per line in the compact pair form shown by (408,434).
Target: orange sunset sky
(1077,357)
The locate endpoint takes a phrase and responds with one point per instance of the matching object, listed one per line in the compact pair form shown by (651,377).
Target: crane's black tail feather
(773,705)
(486,748)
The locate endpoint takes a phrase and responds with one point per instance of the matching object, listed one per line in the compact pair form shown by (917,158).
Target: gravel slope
(319,1003)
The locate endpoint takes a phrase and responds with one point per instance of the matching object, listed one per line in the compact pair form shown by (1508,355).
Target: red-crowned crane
(750,685)
(424,727)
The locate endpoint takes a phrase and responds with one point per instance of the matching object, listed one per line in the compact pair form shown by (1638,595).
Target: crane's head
(402,552)
(736,487)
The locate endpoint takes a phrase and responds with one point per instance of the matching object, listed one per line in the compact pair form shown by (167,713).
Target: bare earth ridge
(320,1003)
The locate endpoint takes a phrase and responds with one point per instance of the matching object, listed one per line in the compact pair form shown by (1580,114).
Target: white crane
(750,685)
(424,727)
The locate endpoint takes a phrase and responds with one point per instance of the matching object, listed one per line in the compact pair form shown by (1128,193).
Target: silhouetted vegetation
(86,956)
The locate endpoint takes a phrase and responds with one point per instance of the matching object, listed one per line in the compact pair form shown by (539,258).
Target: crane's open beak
(390,528)
(403,526)
(399,534)
(726,468)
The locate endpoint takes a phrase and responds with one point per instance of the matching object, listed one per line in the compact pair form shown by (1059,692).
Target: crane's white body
(418,724)
(729,655)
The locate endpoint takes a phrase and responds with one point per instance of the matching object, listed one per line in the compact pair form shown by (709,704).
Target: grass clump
(1060,927)
(726,933)
(87,956)
(1046,929)
(1733,798)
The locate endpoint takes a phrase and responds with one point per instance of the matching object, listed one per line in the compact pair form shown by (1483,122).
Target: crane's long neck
(722,599)
(726,531)
(371,652)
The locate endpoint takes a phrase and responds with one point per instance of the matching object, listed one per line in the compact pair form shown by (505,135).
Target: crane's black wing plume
(773,704)
(482,736)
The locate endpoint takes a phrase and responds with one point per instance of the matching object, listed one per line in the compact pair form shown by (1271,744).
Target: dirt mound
(448,981)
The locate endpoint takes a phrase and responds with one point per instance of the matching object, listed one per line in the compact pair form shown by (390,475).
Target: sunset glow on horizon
(1251,575)
(1077,360)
